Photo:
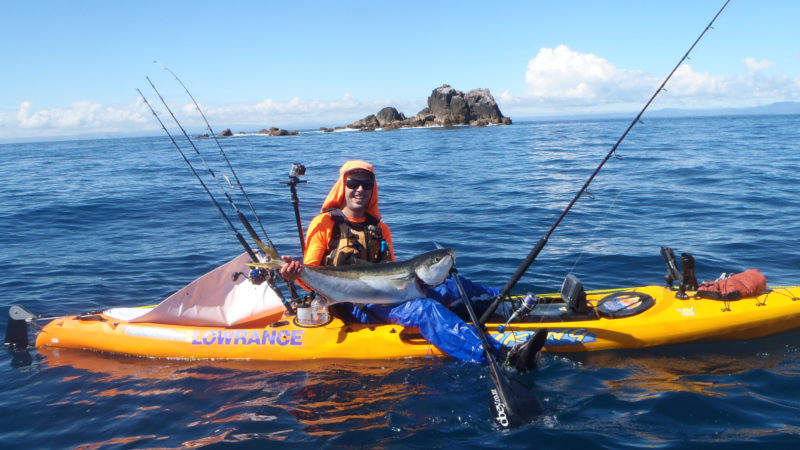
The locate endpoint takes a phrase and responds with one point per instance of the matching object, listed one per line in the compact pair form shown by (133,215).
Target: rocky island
(446,107)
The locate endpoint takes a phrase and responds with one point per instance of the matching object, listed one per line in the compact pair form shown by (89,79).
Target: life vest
(355,240)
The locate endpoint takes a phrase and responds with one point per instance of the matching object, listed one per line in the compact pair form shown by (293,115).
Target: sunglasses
(353,183)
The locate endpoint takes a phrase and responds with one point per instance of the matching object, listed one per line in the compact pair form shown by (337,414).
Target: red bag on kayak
(745,284)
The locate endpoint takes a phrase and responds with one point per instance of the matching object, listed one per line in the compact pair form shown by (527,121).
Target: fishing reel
(256,276)
(526,305)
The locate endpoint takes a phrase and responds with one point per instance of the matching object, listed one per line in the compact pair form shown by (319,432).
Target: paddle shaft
(503,404)
(543,241)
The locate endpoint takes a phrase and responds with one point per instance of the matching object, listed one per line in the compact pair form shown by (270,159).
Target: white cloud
(754,65)
(686,82)
(82,116)
(297,111)
(562,81)
(571,78)
(559,81)
(690,88)
(87,117)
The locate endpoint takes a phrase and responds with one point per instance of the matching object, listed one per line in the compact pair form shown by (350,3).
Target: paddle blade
(511,403)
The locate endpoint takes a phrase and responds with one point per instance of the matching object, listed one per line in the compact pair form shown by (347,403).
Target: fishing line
(235,207)
(596,229)
(222,152)
(200,155)
(239,237)
(526,263)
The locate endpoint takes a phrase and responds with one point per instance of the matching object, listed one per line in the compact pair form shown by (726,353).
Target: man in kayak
(349,228)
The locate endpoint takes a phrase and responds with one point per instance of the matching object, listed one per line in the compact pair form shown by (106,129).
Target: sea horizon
(771,109)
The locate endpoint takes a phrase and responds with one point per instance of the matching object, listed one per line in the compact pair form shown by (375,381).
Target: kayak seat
(574,295)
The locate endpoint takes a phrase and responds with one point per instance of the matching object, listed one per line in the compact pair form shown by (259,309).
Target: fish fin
(273,261)
(438,246)
(400,276)
(264,265)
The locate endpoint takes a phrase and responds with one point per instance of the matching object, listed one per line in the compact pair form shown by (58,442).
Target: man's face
(358,190)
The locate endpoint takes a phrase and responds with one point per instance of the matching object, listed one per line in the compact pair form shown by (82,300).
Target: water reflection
(710,369)
(234,401)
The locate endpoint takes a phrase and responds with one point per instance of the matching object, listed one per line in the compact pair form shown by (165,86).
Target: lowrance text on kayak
(247,337)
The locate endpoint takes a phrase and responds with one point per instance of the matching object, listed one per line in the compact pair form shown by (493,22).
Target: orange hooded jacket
(321,228)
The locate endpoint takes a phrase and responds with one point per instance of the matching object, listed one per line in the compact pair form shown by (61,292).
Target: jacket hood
(335,197)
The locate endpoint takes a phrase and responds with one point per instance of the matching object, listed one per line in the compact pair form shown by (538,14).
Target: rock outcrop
(278,132)
(366,124)
(483,107)
(446,107)
(389,115)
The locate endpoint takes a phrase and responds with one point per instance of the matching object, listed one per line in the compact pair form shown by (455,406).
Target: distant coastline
(777,109)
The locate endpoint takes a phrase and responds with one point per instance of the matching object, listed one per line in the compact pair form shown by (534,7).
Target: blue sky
(72,68)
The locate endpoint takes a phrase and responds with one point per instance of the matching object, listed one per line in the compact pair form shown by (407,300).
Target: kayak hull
(667,321)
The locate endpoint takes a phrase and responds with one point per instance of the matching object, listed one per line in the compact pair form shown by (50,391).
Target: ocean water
(122,222)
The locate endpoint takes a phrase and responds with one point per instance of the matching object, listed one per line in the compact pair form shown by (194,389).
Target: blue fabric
(437,324)
(447,292)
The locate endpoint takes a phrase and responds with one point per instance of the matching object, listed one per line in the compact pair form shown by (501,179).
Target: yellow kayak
(618,319)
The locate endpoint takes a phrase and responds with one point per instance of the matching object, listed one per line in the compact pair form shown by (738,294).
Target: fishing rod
(222,152)
(258,277)
(239,237)
(241,216)
(526,263)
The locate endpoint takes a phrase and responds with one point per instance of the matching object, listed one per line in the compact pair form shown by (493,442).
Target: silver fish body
(393,282)
(380,283)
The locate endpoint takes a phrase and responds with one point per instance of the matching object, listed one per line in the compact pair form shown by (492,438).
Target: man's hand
(291,270)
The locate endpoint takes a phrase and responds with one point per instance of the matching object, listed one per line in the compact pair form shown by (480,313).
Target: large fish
(373,283)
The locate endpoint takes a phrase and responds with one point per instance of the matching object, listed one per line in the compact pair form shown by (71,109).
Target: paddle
(511,402)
